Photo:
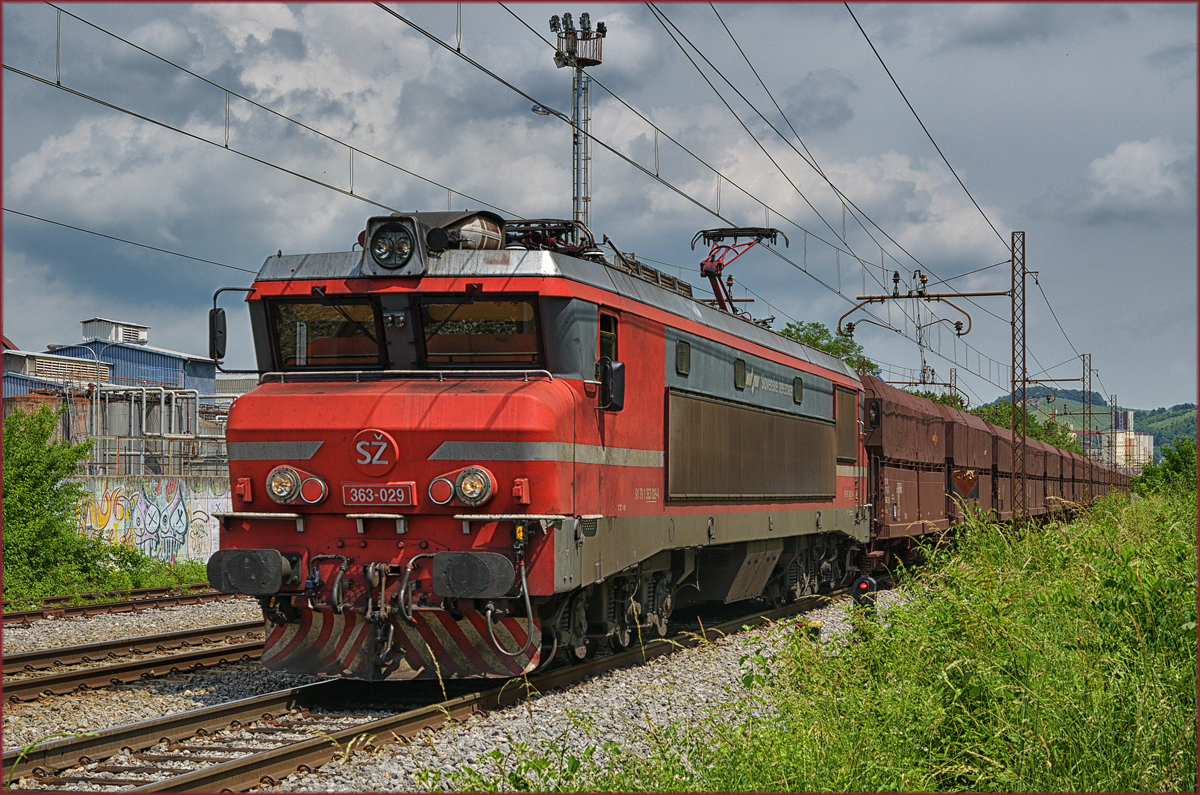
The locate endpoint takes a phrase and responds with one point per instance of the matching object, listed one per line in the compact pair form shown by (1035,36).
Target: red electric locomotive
(478,443)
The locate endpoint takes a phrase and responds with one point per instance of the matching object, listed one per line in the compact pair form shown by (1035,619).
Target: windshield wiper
(319,292)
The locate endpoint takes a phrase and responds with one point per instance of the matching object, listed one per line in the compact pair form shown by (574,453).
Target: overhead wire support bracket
(919,293)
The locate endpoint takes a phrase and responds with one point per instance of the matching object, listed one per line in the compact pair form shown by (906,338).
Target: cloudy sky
(1075,124)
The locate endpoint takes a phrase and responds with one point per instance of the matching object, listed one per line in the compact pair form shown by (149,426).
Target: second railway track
(143,599)
(26,677)
(241,744)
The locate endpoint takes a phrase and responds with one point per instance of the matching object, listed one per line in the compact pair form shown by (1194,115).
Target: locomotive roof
(506,262)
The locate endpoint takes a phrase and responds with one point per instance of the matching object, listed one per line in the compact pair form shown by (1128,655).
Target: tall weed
(1061,657)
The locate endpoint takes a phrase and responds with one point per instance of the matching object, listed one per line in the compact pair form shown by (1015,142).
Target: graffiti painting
(167,518)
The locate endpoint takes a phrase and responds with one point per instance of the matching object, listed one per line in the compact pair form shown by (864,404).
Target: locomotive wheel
(581,654)
(621,639)
(775,595)
(664,605)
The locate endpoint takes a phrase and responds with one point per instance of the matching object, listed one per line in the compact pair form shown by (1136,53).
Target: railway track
(242,744)
(138,658)
(140,599)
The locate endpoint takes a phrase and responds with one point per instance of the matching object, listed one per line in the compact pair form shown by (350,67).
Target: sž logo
(374,452)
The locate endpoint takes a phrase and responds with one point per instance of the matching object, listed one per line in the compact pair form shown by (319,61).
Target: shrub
(44,553)
(1176,473)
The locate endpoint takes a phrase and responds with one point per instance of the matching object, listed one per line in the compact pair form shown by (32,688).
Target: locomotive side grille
(847,425)
(728,451)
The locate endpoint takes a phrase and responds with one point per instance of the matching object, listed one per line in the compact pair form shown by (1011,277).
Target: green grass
(108,570)
(1058,658)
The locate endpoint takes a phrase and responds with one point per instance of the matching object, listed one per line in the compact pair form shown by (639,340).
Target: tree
(1049,432)
(945,398)
(1176,474)
(818,335)
(39,505)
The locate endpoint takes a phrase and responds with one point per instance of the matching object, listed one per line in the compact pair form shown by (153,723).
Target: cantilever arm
(856,307)
(959,308)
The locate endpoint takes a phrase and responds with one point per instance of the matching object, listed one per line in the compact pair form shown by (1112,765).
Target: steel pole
(577,94)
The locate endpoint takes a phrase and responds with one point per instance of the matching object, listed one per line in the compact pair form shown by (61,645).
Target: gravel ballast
(55,633)
(117,705)
(625,707)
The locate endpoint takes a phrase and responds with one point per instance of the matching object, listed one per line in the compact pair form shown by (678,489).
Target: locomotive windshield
(478,332)
(330,334)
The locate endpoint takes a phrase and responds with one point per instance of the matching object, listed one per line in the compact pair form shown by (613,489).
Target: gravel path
(53,633)
(625,707)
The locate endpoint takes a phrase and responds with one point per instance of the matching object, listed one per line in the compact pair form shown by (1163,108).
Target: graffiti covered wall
(169,518)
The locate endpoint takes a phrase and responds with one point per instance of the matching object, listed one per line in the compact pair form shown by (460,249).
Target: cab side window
(608,337)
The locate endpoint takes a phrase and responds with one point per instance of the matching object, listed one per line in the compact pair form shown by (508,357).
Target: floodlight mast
(579,47)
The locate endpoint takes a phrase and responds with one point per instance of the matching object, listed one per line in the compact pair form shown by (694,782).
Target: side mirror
(216,333)
(612,384)
(873,413)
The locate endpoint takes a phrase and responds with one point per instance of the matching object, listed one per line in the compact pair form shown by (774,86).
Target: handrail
(373,375)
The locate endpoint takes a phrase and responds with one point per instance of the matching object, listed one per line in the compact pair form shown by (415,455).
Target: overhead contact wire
(130,242)
(923,127)
(272,111)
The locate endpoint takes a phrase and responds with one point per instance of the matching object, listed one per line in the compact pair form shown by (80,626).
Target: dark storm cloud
(1170,57)
(1011,25)
(820,101)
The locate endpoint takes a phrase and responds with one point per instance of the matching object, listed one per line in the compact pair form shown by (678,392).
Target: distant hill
(1165,424)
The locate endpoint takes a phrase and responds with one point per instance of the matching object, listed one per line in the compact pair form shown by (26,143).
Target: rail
(29,688)
(26,617)
(41,659)
(237,765)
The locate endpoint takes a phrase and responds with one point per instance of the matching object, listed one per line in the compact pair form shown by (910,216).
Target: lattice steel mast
(1019,376)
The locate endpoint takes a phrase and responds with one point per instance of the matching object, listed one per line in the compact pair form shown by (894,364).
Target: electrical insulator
(729,282)
(958,327)
(849,329)
(555,27)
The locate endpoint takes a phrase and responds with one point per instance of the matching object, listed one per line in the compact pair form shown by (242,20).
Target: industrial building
(149,410)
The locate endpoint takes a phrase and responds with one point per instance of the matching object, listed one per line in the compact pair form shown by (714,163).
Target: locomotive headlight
(474,486)
(392,246)
(283,484)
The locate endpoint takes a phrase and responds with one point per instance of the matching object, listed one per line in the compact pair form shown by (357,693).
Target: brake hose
(528,612)
(405,607)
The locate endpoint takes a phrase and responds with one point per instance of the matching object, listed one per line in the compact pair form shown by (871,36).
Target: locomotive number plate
(378,494)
